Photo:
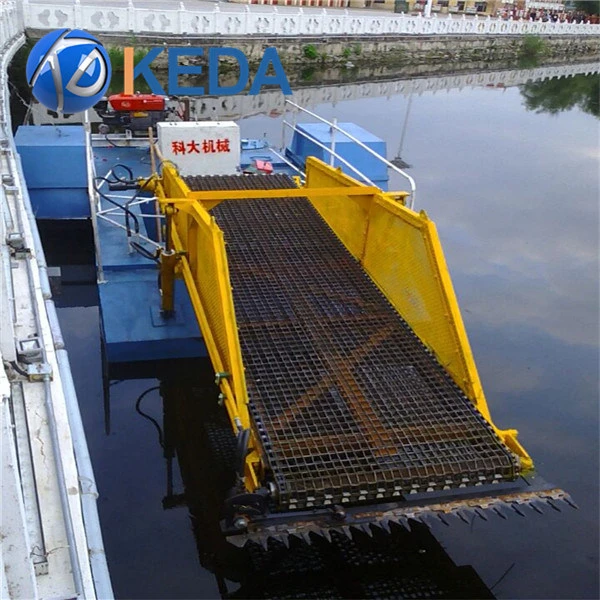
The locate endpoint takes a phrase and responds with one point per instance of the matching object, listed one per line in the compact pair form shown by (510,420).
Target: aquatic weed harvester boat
(327,310)
(330,318)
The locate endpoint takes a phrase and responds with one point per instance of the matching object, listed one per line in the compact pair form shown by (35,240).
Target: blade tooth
(262,541)
(480,513)
(429,519)
(306,537)
(550,502)
(401,522)
(283,539)
(570,502)
(385,525)
(499,513)
(256,539)
(326,534)
(346,531)
(516,508)
(366,529)
(462,517)
(443,519)
(238,540)
(537,509)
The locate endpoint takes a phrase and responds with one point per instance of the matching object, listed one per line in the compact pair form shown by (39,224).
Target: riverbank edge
(397,50)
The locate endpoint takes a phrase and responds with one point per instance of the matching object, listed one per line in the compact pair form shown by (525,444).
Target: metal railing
(186,18)
(331,150)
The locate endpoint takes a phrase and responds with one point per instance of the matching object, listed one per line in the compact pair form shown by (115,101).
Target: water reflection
(196,433)
(342,89)
(556,95)
(514,194)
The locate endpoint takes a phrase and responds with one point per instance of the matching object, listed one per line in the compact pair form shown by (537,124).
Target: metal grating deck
(348,403)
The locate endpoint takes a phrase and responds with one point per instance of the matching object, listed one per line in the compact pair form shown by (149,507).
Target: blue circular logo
(68,70)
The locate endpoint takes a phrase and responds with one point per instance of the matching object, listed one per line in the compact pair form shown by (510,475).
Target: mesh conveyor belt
(347,401)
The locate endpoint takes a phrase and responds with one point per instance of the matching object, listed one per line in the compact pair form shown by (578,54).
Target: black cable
(18,369)
(147,416)
(144,252)
(137,193)
(113,143)
(121,179)
(125,208)
(127,212)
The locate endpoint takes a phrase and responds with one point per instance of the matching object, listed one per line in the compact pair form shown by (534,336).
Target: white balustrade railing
(189,20)
(11,21)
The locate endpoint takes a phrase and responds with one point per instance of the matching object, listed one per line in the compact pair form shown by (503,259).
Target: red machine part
(135,102)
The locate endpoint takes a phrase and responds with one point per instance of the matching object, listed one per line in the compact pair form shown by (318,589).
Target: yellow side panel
(207,260)
(403,257)
(347,216)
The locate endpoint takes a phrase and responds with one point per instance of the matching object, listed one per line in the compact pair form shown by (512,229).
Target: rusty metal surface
(369,520)
(347,402)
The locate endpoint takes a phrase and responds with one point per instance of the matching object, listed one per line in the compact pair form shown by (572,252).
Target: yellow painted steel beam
(220,337)
(281,193)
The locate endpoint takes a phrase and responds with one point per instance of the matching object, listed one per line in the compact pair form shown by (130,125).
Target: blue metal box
(303,145)
(54,164)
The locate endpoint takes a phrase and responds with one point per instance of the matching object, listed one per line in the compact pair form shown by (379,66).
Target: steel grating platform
(348,403)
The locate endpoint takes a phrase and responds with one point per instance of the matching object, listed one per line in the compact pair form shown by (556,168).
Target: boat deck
(348,403)
(131,334)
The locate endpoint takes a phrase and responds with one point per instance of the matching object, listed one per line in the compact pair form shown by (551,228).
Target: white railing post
(181,20)
(77,21)
(130,16)
(215,19)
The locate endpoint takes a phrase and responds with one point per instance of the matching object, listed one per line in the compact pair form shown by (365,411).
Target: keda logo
(270,71)
(68,70)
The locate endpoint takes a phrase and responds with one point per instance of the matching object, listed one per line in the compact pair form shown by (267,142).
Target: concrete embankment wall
(386,50)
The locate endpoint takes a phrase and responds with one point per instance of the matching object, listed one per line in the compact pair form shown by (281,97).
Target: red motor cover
(144,102)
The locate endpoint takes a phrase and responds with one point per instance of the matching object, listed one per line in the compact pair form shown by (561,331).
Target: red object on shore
(127,102)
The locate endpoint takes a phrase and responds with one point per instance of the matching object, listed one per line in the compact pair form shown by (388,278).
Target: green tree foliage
(533,46)
(310,51)
(590,7)
(556,95)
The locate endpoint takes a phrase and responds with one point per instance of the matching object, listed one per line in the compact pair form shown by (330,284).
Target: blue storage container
(54,164)
(303,145)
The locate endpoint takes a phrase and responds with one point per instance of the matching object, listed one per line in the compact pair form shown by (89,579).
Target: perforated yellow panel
(347,216)
(400,250)
(206,273)
(403,256)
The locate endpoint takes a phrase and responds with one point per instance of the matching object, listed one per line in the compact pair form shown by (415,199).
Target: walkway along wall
(182,19)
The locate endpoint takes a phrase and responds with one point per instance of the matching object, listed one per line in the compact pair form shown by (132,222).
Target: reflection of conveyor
(348,402)
(341,356)
(407,562)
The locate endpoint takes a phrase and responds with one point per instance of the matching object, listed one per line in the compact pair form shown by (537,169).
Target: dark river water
(514,192)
